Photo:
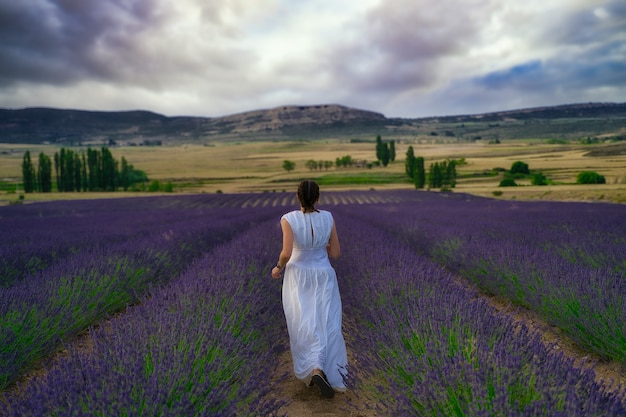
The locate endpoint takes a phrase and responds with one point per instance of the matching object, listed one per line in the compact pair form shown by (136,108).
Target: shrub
(154,186)
(508,182)
(539,179)
(590,177)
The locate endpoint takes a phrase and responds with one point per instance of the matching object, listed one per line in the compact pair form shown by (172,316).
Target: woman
(311,298)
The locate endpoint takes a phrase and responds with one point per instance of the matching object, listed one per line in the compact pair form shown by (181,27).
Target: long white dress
(311,300)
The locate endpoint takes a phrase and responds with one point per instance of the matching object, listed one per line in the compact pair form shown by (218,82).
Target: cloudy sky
(402,58)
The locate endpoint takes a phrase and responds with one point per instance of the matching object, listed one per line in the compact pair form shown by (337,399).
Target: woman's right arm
(285,253)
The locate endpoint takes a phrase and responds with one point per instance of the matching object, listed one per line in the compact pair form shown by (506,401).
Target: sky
(401,58)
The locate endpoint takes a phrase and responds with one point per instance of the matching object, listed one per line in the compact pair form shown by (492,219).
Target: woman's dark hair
(308,194)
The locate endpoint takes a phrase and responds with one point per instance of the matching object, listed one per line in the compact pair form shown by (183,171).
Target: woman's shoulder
(290,214)
(326,213)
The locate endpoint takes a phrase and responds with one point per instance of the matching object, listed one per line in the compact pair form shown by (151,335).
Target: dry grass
(257,166)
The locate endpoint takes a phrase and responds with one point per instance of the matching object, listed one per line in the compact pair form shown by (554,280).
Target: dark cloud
(59,41)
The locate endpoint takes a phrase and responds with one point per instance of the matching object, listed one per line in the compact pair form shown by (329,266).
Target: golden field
(257,167)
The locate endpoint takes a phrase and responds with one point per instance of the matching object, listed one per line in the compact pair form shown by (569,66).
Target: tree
(590,177)
(57,169)
(435,177)
(409,163)
(311,164)
(78,173)
(93,169)
(68,170)
(124,180)
(84,181)
(419,178)
(520,167)
(28,173)
(392,151)
(385,154)
(344,161)
(448,169)
(109,168)
(44,174)
(442,175)
(128,176)
(379,148)
(289,165)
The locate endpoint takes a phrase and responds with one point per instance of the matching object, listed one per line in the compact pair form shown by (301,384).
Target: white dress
(311,300)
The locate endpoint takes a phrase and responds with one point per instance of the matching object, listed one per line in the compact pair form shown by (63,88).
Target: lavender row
(51,305)
(203,345)
(432,347)
(563,260)
(35,236)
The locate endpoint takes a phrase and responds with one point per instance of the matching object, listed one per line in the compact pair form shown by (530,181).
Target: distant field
(257,166)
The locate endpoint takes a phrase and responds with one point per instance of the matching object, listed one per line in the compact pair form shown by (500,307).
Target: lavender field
(171,302)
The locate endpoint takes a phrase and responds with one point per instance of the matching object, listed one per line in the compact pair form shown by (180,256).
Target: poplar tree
(434,176)
(93,171)
(57,168)
(108,170)
(68,170)
(385,154)
(409,162)
(379,148)
(77,172)
(44,174)
(28,173)
(419,178)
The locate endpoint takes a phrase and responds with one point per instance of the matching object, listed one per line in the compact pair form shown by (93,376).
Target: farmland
(163,305)
(257,166)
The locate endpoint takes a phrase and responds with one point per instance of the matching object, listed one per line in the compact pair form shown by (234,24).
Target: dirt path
(303,401)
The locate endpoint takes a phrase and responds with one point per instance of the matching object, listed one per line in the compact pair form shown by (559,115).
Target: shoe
(322,383)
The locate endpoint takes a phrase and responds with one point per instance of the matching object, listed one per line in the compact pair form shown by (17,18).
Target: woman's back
(311,232)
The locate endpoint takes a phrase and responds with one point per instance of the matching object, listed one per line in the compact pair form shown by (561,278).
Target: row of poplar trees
(440,174)
(94,170)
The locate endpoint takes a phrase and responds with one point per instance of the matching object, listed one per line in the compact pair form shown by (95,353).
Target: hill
(76,127)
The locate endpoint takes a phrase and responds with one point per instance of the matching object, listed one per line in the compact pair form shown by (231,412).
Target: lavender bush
(564,261)
(106,272)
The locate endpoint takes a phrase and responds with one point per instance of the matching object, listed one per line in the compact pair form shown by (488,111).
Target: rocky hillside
(39,125)
(75,127)
(289,117)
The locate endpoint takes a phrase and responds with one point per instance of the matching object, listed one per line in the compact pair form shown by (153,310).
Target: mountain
(76,127)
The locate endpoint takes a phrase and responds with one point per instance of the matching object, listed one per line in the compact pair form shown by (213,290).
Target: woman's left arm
(333,248)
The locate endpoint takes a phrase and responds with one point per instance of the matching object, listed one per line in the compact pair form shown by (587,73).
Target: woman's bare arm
(333,248)
(285,253)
